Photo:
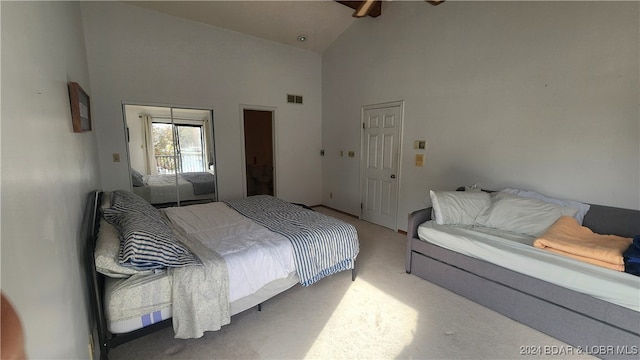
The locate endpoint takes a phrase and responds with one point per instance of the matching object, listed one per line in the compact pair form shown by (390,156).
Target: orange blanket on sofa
(567,237)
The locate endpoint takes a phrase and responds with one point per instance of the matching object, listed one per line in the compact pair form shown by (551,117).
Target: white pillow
(458,207)
(581,207)
(521,215)
(107,253)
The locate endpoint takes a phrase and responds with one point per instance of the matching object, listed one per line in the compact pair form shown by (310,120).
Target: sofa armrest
(415,219)
(611,220)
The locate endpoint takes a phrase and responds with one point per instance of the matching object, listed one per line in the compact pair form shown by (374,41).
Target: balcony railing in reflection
(187,162)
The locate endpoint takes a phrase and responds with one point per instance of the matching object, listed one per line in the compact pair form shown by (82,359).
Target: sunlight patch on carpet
(365,327)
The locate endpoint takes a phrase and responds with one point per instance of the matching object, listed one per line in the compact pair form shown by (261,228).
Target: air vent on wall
(294,99)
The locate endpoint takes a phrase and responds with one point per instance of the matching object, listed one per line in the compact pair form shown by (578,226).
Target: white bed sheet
(516,252)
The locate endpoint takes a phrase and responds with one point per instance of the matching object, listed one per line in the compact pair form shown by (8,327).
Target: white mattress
(150,299)
(258,261)
(137,301)
(516,252)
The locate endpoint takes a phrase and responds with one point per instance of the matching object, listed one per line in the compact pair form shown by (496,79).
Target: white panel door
(380,163)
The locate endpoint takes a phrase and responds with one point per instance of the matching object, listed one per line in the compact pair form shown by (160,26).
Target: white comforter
(254,255)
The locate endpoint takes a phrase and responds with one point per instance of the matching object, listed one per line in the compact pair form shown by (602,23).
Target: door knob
(393,176)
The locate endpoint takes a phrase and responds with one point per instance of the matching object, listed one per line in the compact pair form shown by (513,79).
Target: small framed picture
(80,108)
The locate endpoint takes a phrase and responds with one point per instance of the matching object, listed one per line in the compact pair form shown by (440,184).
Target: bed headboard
(94,279)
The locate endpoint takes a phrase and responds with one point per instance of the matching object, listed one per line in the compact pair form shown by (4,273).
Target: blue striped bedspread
(322,245)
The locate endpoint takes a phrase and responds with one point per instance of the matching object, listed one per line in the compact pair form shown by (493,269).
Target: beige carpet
(384,314)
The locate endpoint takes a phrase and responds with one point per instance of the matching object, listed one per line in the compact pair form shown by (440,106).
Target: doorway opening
(258,151)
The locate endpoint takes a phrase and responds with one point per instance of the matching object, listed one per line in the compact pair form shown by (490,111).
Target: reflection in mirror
(171,154)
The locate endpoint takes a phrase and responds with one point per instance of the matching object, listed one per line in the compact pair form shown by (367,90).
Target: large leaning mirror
(171,154)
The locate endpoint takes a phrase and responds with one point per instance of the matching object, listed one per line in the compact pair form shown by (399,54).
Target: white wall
(137,55)
(47,172)
(137,145)
(539,95)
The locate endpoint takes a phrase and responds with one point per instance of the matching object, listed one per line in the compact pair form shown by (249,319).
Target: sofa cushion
(581,207)
(521,215)
(458,207)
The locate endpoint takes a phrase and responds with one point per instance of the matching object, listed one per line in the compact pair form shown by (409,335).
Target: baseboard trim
(348,214)
(340,211)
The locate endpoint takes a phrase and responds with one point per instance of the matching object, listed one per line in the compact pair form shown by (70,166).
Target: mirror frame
(209,138)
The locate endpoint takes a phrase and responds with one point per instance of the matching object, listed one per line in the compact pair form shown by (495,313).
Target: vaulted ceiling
(319,21)
(281,21)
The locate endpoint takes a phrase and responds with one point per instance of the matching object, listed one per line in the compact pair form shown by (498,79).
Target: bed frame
(96,281)
(587,324)
(96,288)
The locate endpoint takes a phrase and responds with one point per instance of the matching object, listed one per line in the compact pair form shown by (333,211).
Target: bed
(161,189)
(222,258)
(593,309)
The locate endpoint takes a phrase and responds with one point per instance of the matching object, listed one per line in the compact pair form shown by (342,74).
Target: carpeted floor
(384,314)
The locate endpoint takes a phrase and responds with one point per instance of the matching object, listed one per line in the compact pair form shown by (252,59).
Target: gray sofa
(589,324)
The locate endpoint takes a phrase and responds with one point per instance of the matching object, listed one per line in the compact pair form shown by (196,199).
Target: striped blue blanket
(203,182)
(322,245)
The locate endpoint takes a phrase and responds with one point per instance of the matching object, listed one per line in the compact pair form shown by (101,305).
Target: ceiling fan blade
(372,8)
(364,8)
(374,11)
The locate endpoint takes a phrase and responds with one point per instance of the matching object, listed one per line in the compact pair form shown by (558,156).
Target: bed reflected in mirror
(171,154)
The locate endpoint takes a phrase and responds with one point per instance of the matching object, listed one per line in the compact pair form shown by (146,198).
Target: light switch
(420,160)
(116,157)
